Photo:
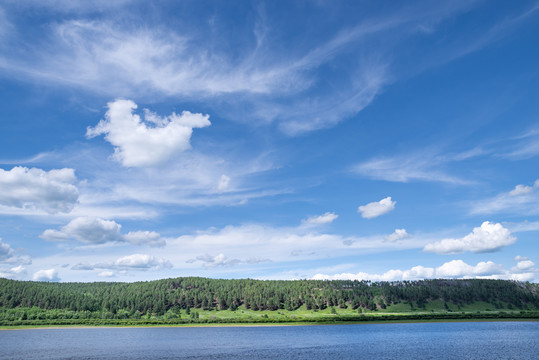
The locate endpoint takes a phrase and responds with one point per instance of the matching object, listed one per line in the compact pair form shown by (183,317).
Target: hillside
(197,299)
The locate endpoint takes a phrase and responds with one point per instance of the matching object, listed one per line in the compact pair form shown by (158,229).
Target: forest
(192,299)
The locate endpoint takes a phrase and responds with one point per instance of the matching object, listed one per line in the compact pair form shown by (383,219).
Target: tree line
(113,300)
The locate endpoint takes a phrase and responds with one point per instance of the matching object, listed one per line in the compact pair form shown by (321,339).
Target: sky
(368,140)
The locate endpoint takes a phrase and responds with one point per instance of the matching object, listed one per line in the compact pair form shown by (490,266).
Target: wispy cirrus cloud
(411,167)
(112,57)
(522,200)
(524,146)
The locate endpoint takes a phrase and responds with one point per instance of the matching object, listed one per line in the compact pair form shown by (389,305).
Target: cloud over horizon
(486,238)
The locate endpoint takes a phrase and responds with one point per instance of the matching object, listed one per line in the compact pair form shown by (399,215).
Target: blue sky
(269,139)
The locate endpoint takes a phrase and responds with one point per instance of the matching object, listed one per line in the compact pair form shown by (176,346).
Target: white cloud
(375,209)
(525,265)
(218,260)
(486,238)
(86,230)
(411,167)
(249,243)
(399,234)
(109,55)
(9,256)
(13,273)
(522,200)
(417,272)
(90,230)
(6,251)
(112,59)
(326,218)
(35,189)
(210,261)
(451,269)
(106,274)
(83,266)
(524,146)
(138,143)
(191,179)
(458,268)
(521,189)
(46,275)
(141,262)
(524,226)
(150,238)
(224,181)
(330,109)
(524,270)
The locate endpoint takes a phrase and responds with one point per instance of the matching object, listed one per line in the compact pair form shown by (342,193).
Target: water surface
(465,340)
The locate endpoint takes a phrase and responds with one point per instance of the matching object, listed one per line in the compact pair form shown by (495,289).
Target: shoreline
(206,325)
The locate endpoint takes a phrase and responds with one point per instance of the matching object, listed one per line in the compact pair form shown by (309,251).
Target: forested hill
(158,297)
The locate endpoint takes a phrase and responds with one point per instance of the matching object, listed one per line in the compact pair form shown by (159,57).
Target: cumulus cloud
(141,262)
(398,234)
(86,230)
(147,142)
(377,208)
(417,272)
(458,268)
(486,238)
(452,269)
(525,265)
(50,191)
(46,275)
(90,230)
(524,270)
(326,218)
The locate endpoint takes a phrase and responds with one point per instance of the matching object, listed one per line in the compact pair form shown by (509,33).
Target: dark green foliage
(167,299)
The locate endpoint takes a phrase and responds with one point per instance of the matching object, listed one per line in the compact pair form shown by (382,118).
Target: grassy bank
(282,317)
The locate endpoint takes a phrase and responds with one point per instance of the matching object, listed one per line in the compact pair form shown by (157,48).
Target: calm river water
(466,340)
